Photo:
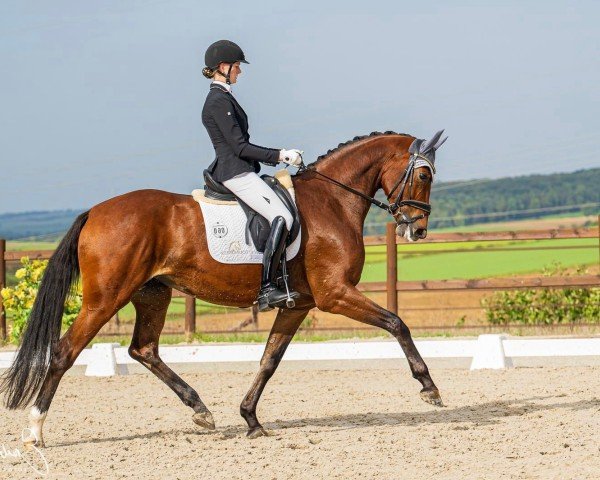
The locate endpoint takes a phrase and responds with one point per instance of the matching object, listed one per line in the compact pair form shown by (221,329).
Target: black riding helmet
(223,51)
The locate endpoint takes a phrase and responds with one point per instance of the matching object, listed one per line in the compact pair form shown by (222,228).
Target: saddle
(257,226)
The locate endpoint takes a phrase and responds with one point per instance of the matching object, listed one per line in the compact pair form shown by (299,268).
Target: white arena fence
(486,351)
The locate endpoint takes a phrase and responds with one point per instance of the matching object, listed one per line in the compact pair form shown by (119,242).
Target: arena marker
(103,362)
(489,353)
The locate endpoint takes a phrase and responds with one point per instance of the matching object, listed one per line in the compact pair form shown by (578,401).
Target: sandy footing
(361,420)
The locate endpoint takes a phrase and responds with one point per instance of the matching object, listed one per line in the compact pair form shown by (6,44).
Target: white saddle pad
(226,225)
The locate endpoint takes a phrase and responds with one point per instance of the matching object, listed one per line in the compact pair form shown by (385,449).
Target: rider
(237,162)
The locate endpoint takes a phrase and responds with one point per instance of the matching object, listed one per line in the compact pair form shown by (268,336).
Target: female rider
(237,162)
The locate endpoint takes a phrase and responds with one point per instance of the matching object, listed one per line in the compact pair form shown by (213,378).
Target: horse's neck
(359,169)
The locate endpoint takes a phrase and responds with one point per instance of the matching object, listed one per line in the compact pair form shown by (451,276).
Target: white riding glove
(291,157)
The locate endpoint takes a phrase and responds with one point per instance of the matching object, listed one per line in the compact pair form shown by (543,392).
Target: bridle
(394,208)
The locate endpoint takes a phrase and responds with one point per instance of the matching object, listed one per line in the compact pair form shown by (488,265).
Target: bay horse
(138,246)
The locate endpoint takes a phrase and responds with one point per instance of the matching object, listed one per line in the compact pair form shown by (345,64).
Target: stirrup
(271,297)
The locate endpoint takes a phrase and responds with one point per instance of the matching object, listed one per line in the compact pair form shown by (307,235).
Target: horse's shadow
(488,413)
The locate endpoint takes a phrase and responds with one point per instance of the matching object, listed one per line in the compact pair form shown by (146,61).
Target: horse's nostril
(421,233)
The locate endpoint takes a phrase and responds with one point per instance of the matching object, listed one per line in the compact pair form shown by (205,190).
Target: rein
(352,190)
(393,208)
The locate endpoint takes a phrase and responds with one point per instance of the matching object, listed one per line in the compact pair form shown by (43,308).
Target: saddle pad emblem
(219,230)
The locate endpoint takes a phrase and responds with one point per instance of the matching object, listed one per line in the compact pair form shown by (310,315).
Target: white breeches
(253,191)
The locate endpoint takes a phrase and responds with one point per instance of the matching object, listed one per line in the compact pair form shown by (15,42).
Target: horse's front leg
(285,326)
(347,300)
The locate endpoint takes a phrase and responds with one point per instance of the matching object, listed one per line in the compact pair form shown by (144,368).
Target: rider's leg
(253,191)
(270,295)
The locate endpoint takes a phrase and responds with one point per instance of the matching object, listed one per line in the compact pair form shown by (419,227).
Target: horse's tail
(24,377)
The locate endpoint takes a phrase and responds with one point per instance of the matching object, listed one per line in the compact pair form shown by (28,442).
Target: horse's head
(406,181)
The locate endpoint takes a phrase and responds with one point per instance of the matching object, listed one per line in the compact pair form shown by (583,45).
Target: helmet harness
(227,74)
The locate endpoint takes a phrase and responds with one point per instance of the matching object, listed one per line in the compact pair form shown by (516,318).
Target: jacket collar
(221,86)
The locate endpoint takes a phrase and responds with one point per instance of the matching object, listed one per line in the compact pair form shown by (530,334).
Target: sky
(99,98)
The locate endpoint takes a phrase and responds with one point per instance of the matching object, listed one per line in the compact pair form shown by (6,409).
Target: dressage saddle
(257,226)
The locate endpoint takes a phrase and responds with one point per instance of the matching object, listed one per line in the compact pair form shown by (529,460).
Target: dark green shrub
(544,306)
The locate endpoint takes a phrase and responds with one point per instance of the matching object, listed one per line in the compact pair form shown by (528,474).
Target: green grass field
(477,260)
(177,309)
(19,246)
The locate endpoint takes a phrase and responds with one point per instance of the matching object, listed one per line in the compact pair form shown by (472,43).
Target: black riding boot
(270,296)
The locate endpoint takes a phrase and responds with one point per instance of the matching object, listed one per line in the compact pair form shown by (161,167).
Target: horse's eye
(423,176)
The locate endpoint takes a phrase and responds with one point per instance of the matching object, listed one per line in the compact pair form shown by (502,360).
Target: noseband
(394,209)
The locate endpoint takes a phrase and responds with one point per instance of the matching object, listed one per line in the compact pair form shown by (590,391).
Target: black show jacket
(227,126)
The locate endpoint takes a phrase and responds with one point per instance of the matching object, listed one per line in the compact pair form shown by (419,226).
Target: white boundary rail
(487,351)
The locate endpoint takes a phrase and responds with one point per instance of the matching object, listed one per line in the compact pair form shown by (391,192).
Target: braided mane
(351,142)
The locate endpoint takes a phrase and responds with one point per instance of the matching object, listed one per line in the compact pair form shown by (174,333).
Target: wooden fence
(392,286)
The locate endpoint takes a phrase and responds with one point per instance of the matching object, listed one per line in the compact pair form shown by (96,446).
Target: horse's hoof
(204,419)
(29,443)
(257,432)
(433,397)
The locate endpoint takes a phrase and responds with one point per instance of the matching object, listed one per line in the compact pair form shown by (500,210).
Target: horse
(140,245)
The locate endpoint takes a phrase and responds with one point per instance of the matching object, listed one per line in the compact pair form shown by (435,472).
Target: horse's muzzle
(420,233)
(406,230)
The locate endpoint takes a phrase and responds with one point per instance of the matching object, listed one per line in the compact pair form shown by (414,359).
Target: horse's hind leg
(285,326)
(80,333)
(151,303)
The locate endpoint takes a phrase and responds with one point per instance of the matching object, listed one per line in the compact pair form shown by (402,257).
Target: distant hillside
(49,225)
(454,204)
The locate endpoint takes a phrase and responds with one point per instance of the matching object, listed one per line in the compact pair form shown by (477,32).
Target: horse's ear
(430,144)
(440,143)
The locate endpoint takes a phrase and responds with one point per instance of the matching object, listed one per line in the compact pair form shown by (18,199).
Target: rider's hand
(291,157)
